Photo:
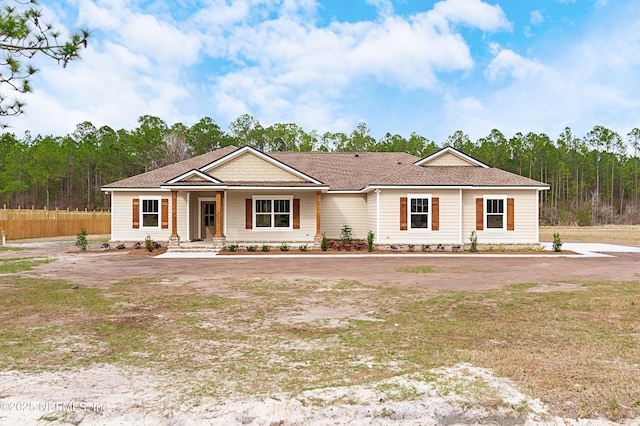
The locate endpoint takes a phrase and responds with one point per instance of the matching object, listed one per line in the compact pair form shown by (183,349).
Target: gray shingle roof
(345,171)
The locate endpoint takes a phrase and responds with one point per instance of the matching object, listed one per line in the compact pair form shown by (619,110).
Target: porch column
(174,239)
(317,240)
(318,202)
(219,209)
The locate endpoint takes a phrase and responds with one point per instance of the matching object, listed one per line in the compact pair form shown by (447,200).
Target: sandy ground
(109,395)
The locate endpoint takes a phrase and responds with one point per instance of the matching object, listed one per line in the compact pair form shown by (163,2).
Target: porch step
(193,248)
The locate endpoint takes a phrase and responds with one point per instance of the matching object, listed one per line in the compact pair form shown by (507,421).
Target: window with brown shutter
(248,220)
(296,213)
(435,214)
(136,213)
(165,213)
(479,214)
(510,214)
(403,213)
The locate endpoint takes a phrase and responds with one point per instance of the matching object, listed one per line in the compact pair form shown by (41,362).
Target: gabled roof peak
(449,150)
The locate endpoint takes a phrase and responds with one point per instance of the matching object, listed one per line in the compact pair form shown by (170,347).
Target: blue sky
(400,66)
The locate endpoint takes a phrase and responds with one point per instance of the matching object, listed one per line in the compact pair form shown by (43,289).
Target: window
(495,212)
(272,213)
(150,212)
(419,212)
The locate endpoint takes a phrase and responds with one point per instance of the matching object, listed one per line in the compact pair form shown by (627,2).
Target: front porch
(209,220)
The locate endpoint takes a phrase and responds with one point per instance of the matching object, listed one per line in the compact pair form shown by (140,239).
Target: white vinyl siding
(236,232)
(345,209)
(122,217)
(251,168)
(449,209)
(525,219)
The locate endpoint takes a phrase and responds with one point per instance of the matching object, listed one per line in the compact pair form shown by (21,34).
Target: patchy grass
(577,351)
(5,248)
(416,269)
(13,265)
(611,234)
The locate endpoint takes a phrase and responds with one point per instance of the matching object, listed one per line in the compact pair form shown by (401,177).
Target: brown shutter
(248,219)
(165,213)
(136,213)
(296,213)
(479,214)
(435,214)
(510,214)
(403,213)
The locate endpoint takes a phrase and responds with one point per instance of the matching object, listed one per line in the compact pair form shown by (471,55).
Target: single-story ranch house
(247,197)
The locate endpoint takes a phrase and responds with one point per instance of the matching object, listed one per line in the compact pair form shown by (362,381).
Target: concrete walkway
(581,250)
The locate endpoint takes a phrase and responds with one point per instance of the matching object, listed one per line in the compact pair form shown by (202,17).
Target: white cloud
(475,13)
(384,7)
(536,18)
(601,3)
(581,83)
(509,63)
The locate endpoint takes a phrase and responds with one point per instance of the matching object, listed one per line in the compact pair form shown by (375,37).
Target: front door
(208,220)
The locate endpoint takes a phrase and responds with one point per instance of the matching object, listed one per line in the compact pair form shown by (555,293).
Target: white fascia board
(414,187)
(453,151)
(262,156)
(421,187)
(195,187)
(154,189)
(193,172)
(507,188)
(280,188)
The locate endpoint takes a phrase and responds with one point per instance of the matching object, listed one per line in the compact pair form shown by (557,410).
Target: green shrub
(148,243)
(81,240)
(252,248)
(501,248)
(345,234)
(232,247)
(557,242)
(266,247)
(474,242)
(284,247)
(324,244)
(303,247)
(370,241)
(488,248)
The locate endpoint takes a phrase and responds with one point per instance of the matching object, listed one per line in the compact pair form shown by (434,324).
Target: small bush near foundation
(148,243)
(304,247)
(284,247)
(81,240)
(324,244)
(266,248)
(557,242)
(501,248)
(370,241)
(252,248)
(232,247)
(474,242)
(345,234)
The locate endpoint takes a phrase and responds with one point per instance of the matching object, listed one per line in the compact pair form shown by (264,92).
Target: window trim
(271,198)
(144,198)
(485,213)
(411,197)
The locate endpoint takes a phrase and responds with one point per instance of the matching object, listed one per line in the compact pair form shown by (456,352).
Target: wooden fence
(19,223)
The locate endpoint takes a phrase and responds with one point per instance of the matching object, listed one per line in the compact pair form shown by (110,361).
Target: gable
(249,167)
(448,159)
(449,156)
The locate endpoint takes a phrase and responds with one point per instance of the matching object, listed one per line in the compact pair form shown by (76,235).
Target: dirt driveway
(96,268)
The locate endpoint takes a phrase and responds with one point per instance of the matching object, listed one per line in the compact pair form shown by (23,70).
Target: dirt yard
(124,337)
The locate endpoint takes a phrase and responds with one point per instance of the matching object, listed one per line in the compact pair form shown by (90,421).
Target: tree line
(593,178)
